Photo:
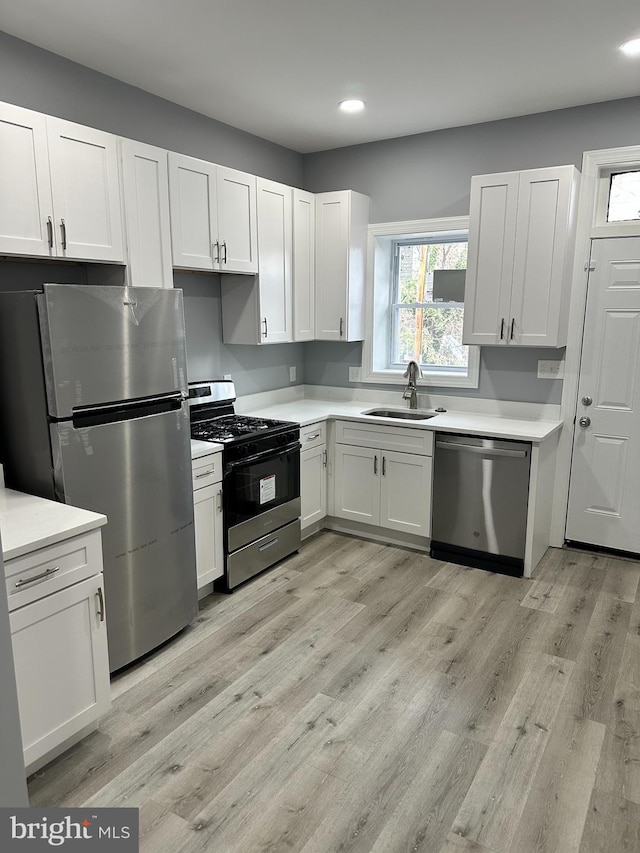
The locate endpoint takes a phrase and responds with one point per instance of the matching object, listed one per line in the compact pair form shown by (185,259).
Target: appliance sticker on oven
(267,489)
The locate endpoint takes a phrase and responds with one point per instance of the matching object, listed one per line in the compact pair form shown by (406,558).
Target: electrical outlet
(355,374)
(227,376)
(550,369)
(292,374)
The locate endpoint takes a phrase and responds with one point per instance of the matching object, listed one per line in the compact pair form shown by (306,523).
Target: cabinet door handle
(49,232)
(513,325)
(204,474)
(63,231)
(502,329)
(44,574)
(220,501)
(312,437)
(384,466)
(324,458)
(216,248)
(375,465)
(341,327)
(224,246)
(100,604)
(265,327)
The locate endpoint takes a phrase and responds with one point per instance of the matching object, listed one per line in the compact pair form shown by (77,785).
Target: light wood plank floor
(362,697)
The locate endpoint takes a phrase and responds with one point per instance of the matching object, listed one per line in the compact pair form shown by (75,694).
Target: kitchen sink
(401,414)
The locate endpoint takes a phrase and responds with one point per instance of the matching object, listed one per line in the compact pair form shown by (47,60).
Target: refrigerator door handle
(129,404)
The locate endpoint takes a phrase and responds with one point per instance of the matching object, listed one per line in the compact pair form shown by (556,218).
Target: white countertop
(28,523)
(309,411)
(203,448)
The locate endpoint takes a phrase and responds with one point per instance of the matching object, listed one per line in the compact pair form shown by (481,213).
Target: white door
(357,483)
(274,251)
(604,496)
(146,204)
(85,183)
(405,492)
(194,213)
(237,221)
(26,208)
(313,485)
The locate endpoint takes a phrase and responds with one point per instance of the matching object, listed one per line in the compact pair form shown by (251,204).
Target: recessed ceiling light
(351,105)
(631,48)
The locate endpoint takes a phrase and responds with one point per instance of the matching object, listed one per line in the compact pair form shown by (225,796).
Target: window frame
(376,352)
(601,227)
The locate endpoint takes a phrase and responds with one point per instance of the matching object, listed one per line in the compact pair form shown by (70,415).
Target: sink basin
(401,414)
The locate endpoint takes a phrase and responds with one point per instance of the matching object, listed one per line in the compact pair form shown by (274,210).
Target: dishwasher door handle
(485,451)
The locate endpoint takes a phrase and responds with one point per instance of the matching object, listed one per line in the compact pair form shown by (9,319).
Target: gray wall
(40,80)
(253,368)
(504,375)
(428,175)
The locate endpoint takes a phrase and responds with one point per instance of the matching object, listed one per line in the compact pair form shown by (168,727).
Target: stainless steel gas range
(261,480)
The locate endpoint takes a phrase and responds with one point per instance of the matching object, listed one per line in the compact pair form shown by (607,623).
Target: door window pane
(624,197)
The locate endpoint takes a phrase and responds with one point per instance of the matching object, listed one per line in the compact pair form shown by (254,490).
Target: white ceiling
(277,68)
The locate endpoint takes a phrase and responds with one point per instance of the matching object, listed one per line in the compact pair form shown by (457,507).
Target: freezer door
(106,344)
(138,473)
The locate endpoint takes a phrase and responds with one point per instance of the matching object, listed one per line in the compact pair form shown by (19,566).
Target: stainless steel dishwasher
(480,496)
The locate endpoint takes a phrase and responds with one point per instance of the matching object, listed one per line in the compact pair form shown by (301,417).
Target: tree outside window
(427,329)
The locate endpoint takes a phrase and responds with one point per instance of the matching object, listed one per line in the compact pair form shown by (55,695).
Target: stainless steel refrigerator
(93,413)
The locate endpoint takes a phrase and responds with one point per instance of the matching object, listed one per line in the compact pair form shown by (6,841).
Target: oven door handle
(265,454)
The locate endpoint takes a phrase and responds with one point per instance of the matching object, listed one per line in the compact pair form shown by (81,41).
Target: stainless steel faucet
(412,374)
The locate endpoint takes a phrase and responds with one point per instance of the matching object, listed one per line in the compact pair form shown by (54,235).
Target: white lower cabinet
(377,484)
(62,666)
(59,640)
(313,474)
(207,518)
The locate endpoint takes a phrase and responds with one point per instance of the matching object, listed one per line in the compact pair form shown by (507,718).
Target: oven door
(261,493)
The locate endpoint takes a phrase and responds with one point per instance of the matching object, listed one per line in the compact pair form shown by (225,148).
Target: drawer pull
(268,545)
(311,437)
(100,604)
(44,574)
(204,474)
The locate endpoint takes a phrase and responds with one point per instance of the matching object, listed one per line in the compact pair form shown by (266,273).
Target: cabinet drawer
(402,439)
(313,435)
(38,574)
(206,470)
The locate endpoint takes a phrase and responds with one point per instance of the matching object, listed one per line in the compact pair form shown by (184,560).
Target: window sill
(429,380)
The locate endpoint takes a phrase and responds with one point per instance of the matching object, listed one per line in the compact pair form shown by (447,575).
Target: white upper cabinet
(85,183)
(304,261)
(237,221)
(59,189)
(26,206)
(145,185)
(213,216)
(258,309)
(341,247)
(274,261)
(521,238)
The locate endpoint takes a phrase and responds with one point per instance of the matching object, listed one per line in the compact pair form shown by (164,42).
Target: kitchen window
(416,304)
(617,211)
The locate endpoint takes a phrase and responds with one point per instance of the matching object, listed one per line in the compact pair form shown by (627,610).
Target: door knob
(585,422)
(587,400)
